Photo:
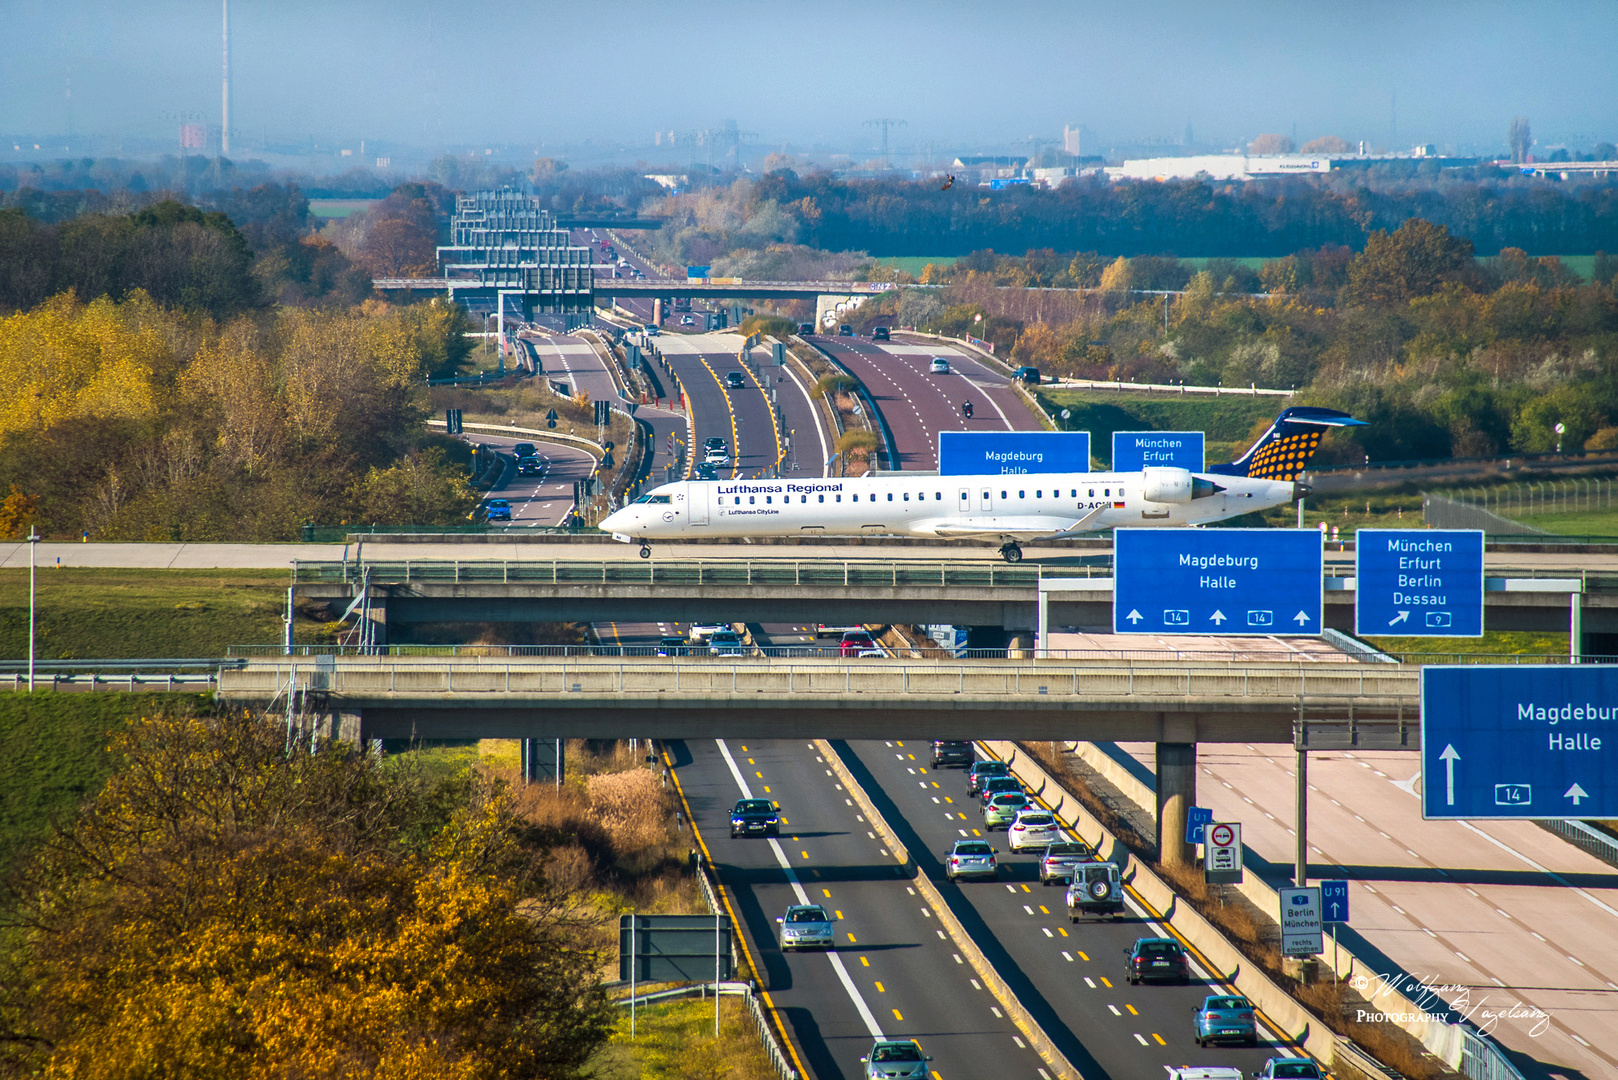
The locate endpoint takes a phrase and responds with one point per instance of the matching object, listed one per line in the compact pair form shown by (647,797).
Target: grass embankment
(1494,643)
(1227,420)
(56,755)
(676,1040)
(1583,523)
(96,613)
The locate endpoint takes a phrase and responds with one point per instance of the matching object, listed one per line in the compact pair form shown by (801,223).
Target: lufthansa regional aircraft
(1010,508)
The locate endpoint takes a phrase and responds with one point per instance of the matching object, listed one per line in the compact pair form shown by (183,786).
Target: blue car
(1225,1018)
(498,510)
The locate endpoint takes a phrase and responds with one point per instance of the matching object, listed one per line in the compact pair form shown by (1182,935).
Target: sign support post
(1300,872)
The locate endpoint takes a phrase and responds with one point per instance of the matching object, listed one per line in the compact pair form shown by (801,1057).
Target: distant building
(988,167)
(1071,142)
(668,180)
(1263,166)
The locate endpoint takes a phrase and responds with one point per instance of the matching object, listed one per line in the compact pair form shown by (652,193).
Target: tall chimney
(224,128)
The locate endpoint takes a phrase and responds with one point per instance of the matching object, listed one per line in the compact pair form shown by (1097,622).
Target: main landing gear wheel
(1011,553)
(645,551)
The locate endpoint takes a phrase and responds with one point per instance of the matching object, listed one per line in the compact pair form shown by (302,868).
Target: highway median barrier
(1032,1031)
(1278,1008)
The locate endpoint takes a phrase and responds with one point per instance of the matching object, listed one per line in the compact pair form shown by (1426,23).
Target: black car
(845,330)
(528,466)
(1026,375)
(735,379)
(706,471)
(952,752)
(997,785)
(673,646)
(755,817)
(1156,959)
(880,333)
(525,449)
(978,773)
(806,329)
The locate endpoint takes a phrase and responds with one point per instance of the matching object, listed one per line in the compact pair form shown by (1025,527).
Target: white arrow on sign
(1449,758)
(1134,616)
(1399,618)
(1576,793)
(1217,618)
(1300,618)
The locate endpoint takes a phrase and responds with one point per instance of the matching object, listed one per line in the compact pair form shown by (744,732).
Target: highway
(537,500)
(918,404)
(1508,918)
(894,973)
(742,415)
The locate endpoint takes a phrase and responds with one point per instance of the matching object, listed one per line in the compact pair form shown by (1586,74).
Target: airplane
(1009,508)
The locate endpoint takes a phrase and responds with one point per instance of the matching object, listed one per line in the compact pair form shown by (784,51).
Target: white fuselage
(1023,506)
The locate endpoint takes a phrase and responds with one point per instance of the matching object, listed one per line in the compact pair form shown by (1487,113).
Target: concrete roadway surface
(536,500)
(740,415)
(1507,912)
(894,972)
(918,405)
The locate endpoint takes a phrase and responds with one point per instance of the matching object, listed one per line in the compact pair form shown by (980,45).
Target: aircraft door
(697,502)
(964,505)
(987,505)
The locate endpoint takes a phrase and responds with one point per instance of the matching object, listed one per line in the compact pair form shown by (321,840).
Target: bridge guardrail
(874,572)
(1386,685)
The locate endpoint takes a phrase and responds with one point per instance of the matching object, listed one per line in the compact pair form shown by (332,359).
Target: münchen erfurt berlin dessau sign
(1530,741)
(1418,582)
(1216,581)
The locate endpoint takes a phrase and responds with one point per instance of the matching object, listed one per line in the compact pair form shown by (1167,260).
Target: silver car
(971,858)
(806,926)
(895,1058)
(1060,858)
(726,643)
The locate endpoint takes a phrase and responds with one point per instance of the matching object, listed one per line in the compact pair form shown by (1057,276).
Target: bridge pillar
(657,311)
(1020,646)
(1176,794)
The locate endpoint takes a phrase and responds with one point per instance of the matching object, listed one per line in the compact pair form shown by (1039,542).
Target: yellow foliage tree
(1118,276)
(228,909)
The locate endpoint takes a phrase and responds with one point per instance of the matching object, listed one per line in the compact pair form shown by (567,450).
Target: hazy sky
(809,71)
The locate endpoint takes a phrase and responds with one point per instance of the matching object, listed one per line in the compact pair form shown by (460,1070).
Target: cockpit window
(652,499)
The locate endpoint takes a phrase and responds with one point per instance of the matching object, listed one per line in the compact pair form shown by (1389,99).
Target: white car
(719,458)
(1034,829)
(939,366)
(700,633)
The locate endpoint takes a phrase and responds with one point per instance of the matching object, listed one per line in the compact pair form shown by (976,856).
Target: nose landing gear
(645,551)
(1011,552)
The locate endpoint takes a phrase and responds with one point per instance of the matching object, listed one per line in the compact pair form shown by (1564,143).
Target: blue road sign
(1334,901)
(1536,741)
(1418,582)
(1196,817)
(1011,453)
(1133,451)
(1216,581)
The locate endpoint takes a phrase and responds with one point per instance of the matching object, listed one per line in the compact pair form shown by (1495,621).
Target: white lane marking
(1114,1009)
(863,1009)
(1140,1038)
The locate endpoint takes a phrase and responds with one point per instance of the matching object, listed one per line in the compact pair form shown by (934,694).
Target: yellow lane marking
(839,914)
(946,797)
(766,789)
(735,442)
(851,940)
(976,833)
(1082,954)
(1027,889)
(1105,982)
(864,962)
(1045,909)
(1159,1039)
(1132,1010)
(827,892)
(1061,931)
(897,1015)
(880,989)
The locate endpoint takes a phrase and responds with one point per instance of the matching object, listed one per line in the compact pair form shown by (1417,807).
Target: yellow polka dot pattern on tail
(1284,458)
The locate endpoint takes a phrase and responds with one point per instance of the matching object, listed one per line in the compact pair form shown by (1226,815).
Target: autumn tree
(1270,143)
(229,908)
(1413,260)
(1327,144)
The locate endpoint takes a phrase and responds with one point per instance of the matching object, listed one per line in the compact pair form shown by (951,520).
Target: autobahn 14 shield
(1418,582)
(1508,741)
(1246,582)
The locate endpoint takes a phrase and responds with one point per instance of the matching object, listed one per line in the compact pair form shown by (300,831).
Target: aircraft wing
(1025,529)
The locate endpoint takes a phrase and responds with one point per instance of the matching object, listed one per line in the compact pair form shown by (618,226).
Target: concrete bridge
(1321,705)
(840,591)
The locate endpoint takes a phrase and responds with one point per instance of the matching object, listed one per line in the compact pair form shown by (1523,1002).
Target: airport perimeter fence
(1446,512)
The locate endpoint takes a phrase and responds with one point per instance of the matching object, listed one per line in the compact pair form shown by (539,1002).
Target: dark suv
(997,785)
(880,333)
(1156,958)
(981,771)
(952,752)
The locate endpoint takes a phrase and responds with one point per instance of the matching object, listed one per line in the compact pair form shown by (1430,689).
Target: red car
(856,642)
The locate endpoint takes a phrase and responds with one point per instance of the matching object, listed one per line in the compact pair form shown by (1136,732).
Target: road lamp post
(33,542)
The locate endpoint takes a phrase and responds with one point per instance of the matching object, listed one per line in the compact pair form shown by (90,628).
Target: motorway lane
(1509,912)
(806,443)
(574,361)
(894,972)
(544,499)
(917,404)
(1069,976)
(741,416)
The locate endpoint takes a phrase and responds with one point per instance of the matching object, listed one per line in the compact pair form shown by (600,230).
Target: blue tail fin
(1285,449)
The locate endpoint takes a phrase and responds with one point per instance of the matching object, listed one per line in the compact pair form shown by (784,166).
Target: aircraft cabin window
(823,498)
(839,498)
(1022,494)
(964,496)
(1107,492)
(1039,494)
(769,498)
(890,496)
(1092,493)
(805,499)
(938,496)
(1075,494)
(751,499)
(1002,494)
(907,496)
(721,500)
